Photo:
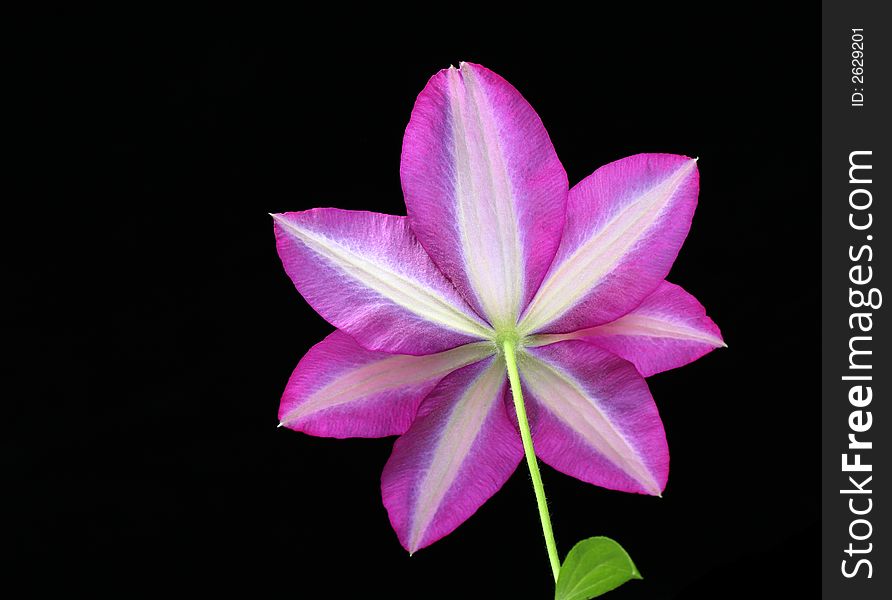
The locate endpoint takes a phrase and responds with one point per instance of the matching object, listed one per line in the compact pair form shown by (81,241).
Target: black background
(154,329)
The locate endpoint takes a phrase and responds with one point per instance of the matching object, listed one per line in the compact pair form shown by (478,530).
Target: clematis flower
(495,253)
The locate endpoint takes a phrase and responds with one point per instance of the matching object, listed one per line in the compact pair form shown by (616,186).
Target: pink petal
(485,191)
(668,330)
(459,452)
(625,225)
(593,417)
(339,389)
(366,274)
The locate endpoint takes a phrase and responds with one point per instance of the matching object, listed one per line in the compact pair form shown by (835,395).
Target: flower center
(506,334)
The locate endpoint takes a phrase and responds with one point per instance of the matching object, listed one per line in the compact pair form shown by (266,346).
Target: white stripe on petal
(392,372)
(568,283)
(651,326)
(567,400)
(631,325)
(456,441)
(388,281)
(485,203)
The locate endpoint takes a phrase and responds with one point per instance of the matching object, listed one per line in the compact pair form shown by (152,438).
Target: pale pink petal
(593,417)
(459,451)
(339,389)
(625,225)
(484,189)
(367,275)
(668,330)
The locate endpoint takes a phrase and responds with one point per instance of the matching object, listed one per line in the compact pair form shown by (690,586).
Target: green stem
(527,438)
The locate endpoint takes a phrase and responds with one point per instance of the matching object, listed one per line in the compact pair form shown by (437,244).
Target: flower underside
(497,262)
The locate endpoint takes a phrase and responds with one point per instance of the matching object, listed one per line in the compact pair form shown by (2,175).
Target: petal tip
(654,490)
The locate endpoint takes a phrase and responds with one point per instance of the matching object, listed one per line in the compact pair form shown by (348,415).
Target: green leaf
(593,567)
